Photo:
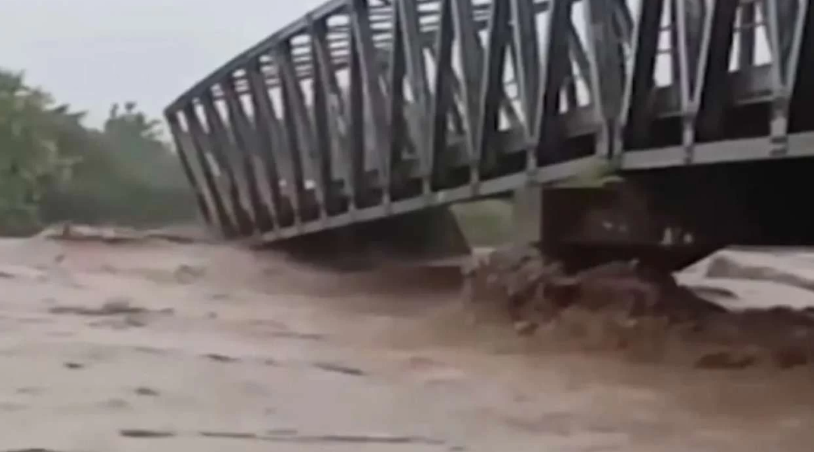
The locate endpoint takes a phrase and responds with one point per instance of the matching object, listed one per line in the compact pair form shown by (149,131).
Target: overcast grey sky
(91,53)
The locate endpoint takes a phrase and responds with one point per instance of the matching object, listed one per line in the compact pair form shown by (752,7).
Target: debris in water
(525,327)
(139,433)
(146,392)
(17,271)
(229,435)
(629,306)
(339,368)
(115,306)
(34,449)
(187,274)
(354,439)
(790,357)
(220,358)
(296,335)
(726,360)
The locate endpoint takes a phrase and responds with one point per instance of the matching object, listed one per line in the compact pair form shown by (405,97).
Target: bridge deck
(368,108)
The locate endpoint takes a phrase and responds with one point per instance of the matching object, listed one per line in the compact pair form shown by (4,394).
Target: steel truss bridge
(365,109)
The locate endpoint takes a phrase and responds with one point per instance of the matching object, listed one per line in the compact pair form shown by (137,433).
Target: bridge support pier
(527,212)
(670,217)
(584,226)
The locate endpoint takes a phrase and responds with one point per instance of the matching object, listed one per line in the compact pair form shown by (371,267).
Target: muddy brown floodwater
(158,346)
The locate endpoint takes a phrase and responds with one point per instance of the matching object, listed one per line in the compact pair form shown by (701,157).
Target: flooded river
(158,346)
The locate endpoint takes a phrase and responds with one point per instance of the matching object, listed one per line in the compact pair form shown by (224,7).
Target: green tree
(30,158)
(53,168)
(127,175)
(138,141)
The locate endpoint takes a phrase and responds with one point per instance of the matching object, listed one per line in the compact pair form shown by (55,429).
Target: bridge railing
(718,81)
(369,108)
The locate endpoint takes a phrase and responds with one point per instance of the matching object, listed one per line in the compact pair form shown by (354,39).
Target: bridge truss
(365,109)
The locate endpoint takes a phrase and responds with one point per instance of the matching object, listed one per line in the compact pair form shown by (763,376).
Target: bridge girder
(365,109)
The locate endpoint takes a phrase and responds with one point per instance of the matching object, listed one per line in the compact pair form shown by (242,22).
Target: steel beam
(637,111)
(527,63)
(492,85)
(270,142)
(471,60)
(183,148)
(356,129)
(230,224)
(716,48)
(328,138)
(416,72)
(297,130)
(607,71)
(219,147)
(396,119)
(246,144)
(348,126)
(442,99)
(557,62)
(372,91)
(801,68)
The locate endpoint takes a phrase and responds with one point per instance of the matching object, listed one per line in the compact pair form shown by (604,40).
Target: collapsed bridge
(364,110)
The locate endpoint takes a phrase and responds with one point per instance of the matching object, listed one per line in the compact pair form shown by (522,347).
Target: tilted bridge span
(368,109)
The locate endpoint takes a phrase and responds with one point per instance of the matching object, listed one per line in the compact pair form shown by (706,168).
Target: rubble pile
(626,306)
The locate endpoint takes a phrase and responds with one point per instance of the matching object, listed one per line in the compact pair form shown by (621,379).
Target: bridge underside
(672,216)
(369,109)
